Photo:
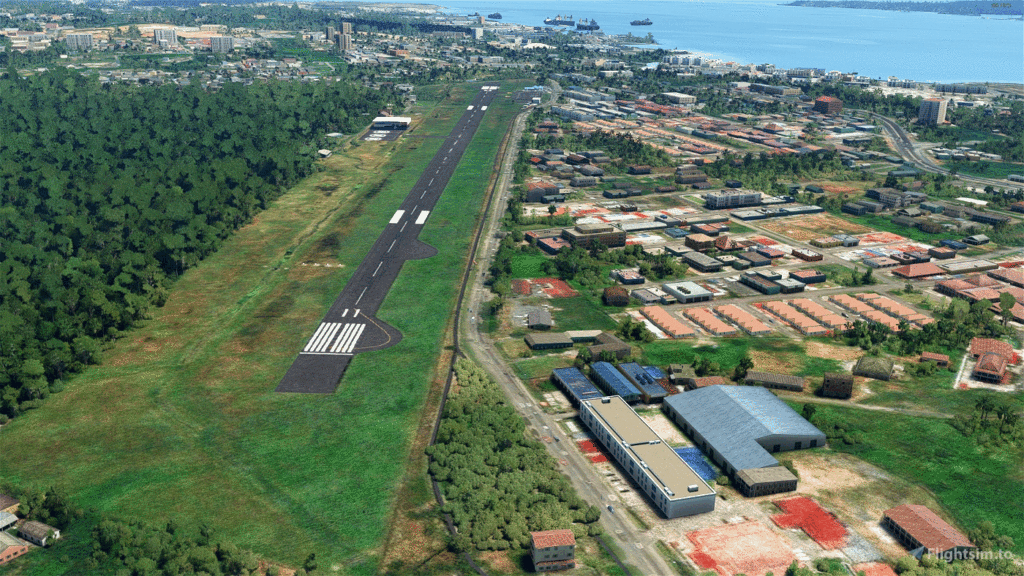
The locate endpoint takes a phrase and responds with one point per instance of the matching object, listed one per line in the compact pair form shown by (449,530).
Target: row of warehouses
(805,315)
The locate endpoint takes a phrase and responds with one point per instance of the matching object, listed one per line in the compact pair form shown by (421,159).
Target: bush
(722,480)
(905,564)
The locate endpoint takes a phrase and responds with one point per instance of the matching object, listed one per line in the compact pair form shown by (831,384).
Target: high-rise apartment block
(329,33)
(169,35)
(79,42)
(344,41)
(346,28)
(932,111)
(222,44)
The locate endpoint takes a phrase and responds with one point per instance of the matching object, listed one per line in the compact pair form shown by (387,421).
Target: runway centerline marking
(374,273)
(361,294)
(404,224)
(397,217)
(422,217)
(392,244)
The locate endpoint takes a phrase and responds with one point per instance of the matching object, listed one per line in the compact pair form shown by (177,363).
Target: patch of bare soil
(773,361)
(841,353)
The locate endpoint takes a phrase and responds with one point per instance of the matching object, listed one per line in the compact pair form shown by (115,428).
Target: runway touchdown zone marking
(422,217)
(397,217)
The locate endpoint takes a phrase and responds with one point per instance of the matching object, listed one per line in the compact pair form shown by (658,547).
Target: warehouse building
(921,530)
(775,380)
(740,427)
(702,262)
(547,341)
(391,122)
(614,383)
(688,292)
(670,484)
(575,385)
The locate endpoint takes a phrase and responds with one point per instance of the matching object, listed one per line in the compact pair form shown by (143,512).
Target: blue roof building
(577,386)
(650,390)
(740,427)
(614,383)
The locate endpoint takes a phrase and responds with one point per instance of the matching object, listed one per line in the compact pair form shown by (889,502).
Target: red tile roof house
(993,356)
(553,550)
(940,359)
(921,530)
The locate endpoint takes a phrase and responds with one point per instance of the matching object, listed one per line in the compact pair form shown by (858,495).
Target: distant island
(961,8)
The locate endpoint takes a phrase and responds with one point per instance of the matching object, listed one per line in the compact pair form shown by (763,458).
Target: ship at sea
(644,22)
(559,21)
(585,24)
(495,16)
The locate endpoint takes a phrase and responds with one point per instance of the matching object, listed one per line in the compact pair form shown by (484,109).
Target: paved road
(912,152)
(638,546)
(350,326)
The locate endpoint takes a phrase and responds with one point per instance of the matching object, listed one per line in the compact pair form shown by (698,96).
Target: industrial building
(921,530)
(702,262)
(775,380)
(614,383)
(688,292)
(670,484)
(575,385)
(650,391)
(740,427)
(547,341)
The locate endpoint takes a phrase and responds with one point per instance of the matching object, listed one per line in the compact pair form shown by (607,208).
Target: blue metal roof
(576,384)
(732,419)
(654,372)
(643,380)
(613,381)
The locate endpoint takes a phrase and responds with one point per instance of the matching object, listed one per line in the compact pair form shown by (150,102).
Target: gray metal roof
(733,418)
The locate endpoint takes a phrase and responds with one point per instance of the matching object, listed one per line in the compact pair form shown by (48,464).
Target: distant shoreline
(957,8)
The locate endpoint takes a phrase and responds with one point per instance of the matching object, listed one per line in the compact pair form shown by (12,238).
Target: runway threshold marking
(397,217)
(422,217)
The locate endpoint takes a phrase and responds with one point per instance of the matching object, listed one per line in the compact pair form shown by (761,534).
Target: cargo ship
(644,22)
(590,25)
(495,16)
(560,21)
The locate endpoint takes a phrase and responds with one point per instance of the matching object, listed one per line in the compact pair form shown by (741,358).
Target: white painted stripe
(423,217)
(469,108)
(356,314)
(483,107)
(341,337)
(354,338)
(389,250)
(424,194)
(323,326)
(381,263)
(397,217)
(320,338)
(344,343)
(431,182)
(360,295)
(344,313)
(330,336)
(403,226)
(324,354)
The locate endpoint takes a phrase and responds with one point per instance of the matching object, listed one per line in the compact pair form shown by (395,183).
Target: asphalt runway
(350,326)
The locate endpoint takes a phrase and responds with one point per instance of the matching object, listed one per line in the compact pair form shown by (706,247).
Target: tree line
(109,193)
(499,485)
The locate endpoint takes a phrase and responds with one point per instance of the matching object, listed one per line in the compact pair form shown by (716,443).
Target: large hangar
(740,427)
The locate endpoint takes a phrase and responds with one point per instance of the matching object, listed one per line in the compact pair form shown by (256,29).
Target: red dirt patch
(881,238)
(521,287)
(874,569)
(749,548)
(821,525)
(835,189)
(550,287)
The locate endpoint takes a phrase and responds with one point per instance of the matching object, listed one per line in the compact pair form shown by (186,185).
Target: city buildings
(828,105)
(165,37)
(731,199)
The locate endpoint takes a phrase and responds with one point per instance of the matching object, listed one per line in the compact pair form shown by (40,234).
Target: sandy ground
(805,228)
(841,353)
(666,429)
(773,361)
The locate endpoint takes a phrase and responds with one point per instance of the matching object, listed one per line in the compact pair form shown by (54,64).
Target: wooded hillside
(108,193)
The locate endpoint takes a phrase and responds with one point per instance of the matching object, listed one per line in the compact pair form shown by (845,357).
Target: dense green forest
(108,193)
(499,484)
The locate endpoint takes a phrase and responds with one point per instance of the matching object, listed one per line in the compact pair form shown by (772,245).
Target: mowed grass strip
(181,420)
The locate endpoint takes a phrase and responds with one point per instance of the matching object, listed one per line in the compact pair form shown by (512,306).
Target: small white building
(391,122)
(38,533)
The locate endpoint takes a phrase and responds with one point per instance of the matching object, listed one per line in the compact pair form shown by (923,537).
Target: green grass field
(971,484)
(581,313)
(528,265)
(885,224)
(181,421)
(986,168)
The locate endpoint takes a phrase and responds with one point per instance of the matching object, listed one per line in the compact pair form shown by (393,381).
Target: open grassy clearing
(885,224)
(580,313)
(528,265)
(986,168)
(970,483)
(181,421)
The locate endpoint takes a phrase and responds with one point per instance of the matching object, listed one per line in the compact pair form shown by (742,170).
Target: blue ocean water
(912,45)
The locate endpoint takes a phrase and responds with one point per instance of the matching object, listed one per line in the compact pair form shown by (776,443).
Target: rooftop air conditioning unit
(692,488)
